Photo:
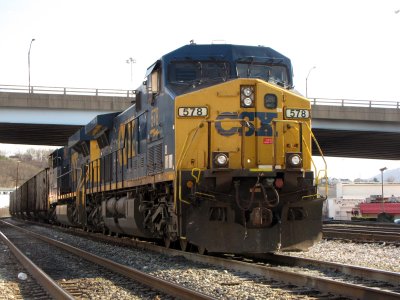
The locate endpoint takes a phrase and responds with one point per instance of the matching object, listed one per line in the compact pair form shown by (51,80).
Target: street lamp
(383,169)
(131,61)
(307,80)
(29,64)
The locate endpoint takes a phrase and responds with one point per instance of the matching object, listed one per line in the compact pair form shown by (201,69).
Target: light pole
(383,169)
(16,179)
(307,80)
(131,61)
(29,64)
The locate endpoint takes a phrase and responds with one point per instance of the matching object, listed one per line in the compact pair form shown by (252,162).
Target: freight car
(215,153)
(30,201)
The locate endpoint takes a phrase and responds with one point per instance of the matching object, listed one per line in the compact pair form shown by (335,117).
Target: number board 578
(194,111)
(297,113)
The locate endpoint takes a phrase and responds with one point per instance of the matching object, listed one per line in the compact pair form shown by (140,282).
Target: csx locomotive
(214,153)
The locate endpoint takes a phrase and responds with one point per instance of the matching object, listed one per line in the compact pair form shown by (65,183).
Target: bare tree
(28,163)
(390,179)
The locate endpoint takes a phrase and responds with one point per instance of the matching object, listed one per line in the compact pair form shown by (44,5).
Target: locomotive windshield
(193,74)
(270,71)
(197,72)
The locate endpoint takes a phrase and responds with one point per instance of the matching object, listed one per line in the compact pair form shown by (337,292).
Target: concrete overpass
(49,115)
(357,128)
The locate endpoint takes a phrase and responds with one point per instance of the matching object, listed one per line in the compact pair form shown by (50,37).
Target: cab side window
(155,82)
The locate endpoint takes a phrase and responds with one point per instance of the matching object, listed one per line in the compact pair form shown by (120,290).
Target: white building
(5,196)
(343,197)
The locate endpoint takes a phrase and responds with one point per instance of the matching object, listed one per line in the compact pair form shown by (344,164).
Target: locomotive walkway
(49,115)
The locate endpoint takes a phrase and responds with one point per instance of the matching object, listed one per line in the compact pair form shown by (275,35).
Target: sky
(354,45)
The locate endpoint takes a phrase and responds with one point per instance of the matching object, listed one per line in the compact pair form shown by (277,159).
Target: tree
(28,163)
(390,179)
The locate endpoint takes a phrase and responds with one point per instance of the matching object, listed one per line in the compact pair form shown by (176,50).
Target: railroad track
(363,232)
(373,276)
(70,290)
(343,281)
(9,268)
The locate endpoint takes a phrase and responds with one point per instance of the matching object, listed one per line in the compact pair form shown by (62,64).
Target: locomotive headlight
(293,160)
(221,160)
(247,102)
(247,91)
(247,96)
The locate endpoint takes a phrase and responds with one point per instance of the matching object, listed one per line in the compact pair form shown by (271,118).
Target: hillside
(388,176)
(28,165)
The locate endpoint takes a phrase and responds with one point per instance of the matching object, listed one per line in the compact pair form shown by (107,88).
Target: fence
(131,94)
(66,91)
(355,103)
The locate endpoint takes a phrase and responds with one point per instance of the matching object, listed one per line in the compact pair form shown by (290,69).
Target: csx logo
(265,129)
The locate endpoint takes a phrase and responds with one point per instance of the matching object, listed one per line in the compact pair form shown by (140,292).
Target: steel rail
(352,291)
(381,231)
(360,235)
(364,272)
(395,227)
(360,224)
(52,288)
(151,281)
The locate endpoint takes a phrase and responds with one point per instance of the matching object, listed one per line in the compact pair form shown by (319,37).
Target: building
(5,196)
(345,198)
(5,201)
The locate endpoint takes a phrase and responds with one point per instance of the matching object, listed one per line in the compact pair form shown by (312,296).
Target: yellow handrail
(185,149)
(323,158)
(308,149)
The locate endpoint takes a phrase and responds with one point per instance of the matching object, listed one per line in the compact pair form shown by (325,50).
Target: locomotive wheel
(167,241)
(105,231)
(183,243)
(201,250)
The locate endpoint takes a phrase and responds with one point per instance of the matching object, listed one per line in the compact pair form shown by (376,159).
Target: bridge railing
(130,94)
(66,91)
(355,103)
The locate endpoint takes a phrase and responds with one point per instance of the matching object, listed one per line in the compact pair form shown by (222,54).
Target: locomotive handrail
(185,150)
(178,165)
(66,91)
(355,103)
(195,130)
(323,158)
(310,153)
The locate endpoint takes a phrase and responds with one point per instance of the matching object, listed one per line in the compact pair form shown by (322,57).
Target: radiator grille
(154,160)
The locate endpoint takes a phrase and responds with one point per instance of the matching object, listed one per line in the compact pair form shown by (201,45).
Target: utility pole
(29,64)
(131,61)
(307,80)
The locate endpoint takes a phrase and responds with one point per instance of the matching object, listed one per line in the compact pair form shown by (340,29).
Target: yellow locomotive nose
(245,129)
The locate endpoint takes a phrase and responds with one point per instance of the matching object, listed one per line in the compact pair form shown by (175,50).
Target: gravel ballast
(370,255)
(228,284)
